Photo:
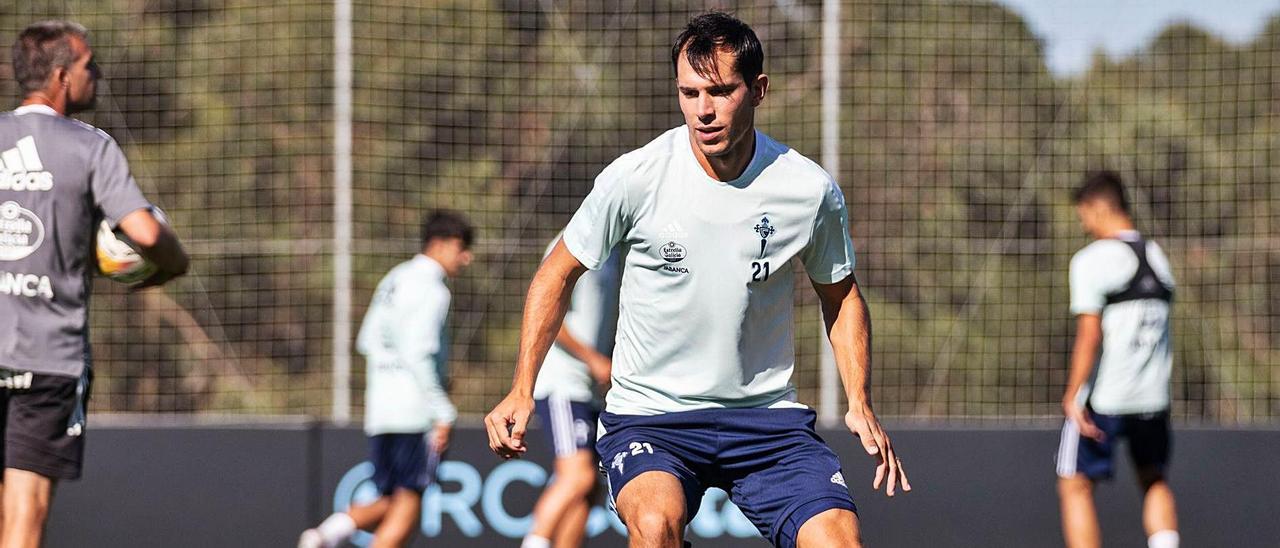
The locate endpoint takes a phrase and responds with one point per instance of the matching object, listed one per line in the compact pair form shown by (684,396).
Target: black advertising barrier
(259,485)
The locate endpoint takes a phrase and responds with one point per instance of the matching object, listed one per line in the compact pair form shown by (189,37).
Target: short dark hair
(42,47)
(709,32)
(1102,185)
(447,224)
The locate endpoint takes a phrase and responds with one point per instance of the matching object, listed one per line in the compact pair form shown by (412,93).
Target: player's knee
(580,482)
(27,510)
(654,522)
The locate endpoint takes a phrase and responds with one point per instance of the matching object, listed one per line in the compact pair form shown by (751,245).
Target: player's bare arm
(158,243)
(599,365)
(1084,354)
(848,324)
(544,309)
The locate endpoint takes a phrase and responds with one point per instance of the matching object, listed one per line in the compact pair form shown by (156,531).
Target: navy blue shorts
(570,425)
(1148,438)
(402,461)
(771,462)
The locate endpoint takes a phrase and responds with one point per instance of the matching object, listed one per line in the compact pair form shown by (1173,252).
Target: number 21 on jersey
(759,271)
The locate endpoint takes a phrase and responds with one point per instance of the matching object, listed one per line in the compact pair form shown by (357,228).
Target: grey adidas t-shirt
(59,178)
(705,311)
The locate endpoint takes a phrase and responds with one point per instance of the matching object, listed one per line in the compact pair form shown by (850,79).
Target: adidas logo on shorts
(838,479)
(21,168)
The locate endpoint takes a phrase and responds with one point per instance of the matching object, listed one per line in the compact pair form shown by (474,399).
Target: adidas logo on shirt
(673,231)
(22,170)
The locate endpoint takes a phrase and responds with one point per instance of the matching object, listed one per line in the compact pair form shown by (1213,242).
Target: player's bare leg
(26,506)
(368,516)
(400,520)
(1159,513)
(572,530)
(834,527)
(652,505)
(561,512)
(1079,518)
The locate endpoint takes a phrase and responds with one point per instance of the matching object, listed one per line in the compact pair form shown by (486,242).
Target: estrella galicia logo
(764,229)
(21,232)
(673,252)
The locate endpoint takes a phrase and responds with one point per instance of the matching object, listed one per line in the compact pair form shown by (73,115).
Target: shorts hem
(614,491)
(67,471)
(800,513)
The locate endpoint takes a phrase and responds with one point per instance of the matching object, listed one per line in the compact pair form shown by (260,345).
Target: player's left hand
(864,424)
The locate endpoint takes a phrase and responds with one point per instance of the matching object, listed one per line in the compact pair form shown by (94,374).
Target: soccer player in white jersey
(712,215)
(1121,291)
(565,401)
(59,178)
(408,415)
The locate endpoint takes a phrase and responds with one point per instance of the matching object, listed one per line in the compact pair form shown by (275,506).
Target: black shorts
(42,417)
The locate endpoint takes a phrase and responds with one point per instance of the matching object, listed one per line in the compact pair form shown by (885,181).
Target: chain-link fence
(957,150)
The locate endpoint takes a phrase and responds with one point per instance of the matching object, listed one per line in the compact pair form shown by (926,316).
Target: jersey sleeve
(602,220)
(1088,296)
(115,193)
(829,257)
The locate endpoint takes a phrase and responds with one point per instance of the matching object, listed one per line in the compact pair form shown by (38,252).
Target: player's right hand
(1077,414)
(601,369)
(507,424)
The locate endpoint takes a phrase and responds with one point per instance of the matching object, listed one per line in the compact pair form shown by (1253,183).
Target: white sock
(337,528)
(535,541)
(1163,539)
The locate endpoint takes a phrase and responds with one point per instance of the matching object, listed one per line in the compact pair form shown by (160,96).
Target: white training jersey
(592,318)
(705,317)
(1132,373)
(404,344)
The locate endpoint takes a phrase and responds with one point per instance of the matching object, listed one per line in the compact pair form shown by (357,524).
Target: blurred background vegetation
(959,149)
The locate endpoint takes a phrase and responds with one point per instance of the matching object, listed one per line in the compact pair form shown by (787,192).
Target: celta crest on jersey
(21,232)
(22,170)
(765,230)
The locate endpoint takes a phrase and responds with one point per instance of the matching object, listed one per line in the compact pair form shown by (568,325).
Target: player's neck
(729,166)
(1114,227)
(53,101)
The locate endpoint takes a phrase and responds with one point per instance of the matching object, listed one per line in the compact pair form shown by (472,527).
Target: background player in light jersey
(711,215)
(1121,291)
(566,403)
(60,177)
(408,415)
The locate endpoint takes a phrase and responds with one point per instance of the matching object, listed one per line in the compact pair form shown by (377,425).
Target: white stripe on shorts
(1068,449)
(562,426)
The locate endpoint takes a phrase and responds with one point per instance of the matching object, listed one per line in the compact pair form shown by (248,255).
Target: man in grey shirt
(59,179)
